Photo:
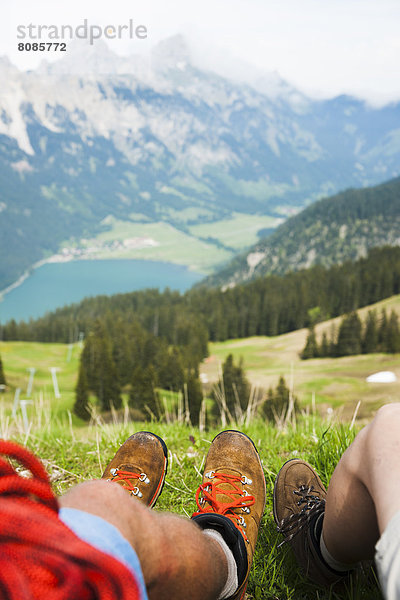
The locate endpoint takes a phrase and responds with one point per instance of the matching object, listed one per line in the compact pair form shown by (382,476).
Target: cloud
(323,48)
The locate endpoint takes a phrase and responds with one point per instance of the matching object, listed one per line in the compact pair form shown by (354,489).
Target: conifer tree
(277,401)
(310,350)
(171,373)
(195,397)
(324,347)
(150,350)
(126,344)
(349,336)
(143,395)
(370,338)
(269,406)
(242,384)
(2,376)
(382,331)
(393,334)
(191,333)
(100,368)
(12,330)
(81,406)
(332,341)
(282,391)
(107,388)
(228,370)
(235,386)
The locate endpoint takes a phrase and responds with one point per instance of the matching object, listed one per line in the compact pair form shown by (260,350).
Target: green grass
(239,232)
(336,382)
(72,455)
(73,452)
(173,245)
(18,357)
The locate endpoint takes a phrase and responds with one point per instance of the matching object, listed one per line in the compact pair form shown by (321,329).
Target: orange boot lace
(125,476)
(240,500)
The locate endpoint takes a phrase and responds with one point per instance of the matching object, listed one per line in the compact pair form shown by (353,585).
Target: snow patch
(22,166)
(254,258)
(14,125)
(382,377)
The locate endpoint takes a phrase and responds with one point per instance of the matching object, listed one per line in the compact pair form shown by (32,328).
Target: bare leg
(174,554)
(364,492)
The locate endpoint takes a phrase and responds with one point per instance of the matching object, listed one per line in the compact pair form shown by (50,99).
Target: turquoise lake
(56,284)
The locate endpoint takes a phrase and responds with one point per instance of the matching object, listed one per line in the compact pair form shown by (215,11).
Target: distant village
(88,249)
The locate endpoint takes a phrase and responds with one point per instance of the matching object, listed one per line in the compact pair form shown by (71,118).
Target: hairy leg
(364,492)
(174,554)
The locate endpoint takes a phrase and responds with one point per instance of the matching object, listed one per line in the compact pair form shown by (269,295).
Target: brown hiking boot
(299,507)
(140,466)
(231,498)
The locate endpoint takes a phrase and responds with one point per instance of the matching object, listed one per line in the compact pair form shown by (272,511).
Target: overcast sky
(323,47)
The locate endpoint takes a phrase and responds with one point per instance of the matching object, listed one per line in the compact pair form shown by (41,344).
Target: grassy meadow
(335,383)
(74,454)
(206,245)
(328,391)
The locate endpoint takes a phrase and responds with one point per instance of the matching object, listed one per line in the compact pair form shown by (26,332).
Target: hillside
(330,231)
(112,144)
(337,383)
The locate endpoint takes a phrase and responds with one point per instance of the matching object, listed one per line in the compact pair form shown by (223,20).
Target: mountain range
(330,231)
(157,139)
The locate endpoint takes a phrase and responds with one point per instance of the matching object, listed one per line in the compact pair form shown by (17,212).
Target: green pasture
(191,248)
(238,232)
(18,357)
(173,245)
(334,382)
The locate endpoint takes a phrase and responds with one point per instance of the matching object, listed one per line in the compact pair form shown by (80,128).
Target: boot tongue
(130,468)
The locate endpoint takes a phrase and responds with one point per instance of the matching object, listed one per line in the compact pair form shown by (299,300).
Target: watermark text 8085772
(42,47)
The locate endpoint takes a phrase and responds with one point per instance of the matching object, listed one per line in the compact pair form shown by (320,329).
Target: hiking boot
(299,507)
(231,498)
(140,466)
